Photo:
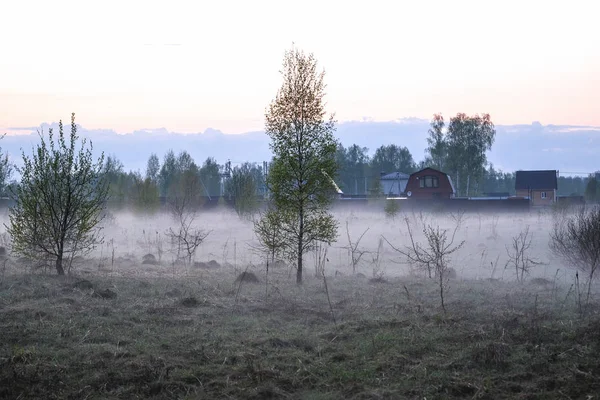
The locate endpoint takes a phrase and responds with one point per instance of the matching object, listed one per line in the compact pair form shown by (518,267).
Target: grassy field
(118,328)
(206,336)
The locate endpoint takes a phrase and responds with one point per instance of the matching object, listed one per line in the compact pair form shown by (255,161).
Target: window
(429,181)
(543,195)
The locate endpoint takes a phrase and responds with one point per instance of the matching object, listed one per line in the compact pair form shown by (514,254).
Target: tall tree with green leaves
(392,158)
(304,151)
(437,146)
(468,139)
(60,200)
(153,168)
(210,174)
(167,173)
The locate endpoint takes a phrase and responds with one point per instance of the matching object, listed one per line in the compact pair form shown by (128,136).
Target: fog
(231,241)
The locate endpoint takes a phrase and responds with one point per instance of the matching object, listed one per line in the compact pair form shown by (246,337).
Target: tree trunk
(59,259)
(468,183)
(300,245)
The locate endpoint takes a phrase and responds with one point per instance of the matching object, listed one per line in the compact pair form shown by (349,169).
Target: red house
(429,183)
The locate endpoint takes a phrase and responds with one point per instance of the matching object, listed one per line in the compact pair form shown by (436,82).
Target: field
(117,328)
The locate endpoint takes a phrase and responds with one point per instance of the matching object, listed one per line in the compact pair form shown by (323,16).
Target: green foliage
(392,158)
(210,174)
(437,146)
(6,169)
(242,188)
(145,196)
(267,228)
(592,190)
(60,200)
(153,168)
(304,147)
(467,141)
(392,208)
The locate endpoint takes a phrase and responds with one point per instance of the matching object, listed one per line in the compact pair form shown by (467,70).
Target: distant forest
(457,148)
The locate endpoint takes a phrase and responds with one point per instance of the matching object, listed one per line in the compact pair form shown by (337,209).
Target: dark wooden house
(430,183)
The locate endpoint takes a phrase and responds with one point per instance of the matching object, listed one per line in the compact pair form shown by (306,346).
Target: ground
(117,328)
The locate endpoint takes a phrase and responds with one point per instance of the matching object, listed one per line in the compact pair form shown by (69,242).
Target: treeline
(458,148)
(178,178)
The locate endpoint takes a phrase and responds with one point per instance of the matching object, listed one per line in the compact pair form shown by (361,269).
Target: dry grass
(123,329)
(177,338)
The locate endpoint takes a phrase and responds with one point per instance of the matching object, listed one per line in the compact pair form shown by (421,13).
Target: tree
(392,158)
(437,145)
(60,200)
(6,169)
(576,239)
(119,182)
(167,172)
(242,187)
(304,156)
(153,168)
(210,175)
(468,139)
(354,169)
(434,256)
(592,190)
(145,194)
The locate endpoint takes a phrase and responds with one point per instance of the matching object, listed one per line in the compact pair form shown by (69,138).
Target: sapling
(435,255)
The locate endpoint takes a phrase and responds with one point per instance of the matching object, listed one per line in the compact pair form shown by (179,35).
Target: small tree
(304,157)
(435,255)
(576,239)
(268,232)
(518,254)
(60,200)
(6,169)
(183,201)
(356,254)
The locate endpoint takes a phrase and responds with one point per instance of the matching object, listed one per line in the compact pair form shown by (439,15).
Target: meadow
(120,326)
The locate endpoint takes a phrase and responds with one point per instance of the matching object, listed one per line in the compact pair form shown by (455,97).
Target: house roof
(394,176)
(430,169)
(536,180)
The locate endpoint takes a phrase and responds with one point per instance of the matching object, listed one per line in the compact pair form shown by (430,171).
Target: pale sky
(114,65)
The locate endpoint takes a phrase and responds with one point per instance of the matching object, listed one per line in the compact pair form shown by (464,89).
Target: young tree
(304,156)
(576,239)
(6,169)
(60,200)
(437,146)
(468,139)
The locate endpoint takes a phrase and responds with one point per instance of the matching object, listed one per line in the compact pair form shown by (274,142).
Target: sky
(192,65)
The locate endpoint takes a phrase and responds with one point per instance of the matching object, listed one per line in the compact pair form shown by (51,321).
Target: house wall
(444,190)
(390,186)
(536,196)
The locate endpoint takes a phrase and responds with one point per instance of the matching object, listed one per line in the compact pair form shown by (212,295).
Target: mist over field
(128,236)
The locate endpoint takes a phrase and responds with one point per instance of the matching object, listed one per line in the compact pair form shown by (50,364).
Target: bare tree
(183,201)
(518,254)
(576,239)
(435,255)
(356,254)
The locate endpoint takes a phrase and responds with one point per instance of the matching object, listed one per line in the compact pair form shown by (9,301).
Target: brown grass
(178,338)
